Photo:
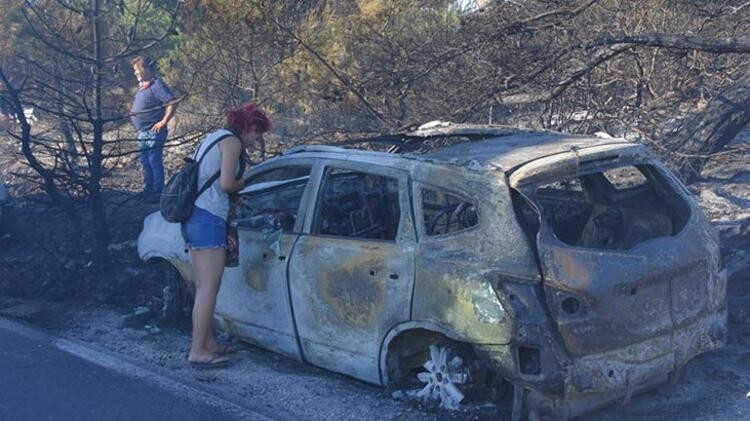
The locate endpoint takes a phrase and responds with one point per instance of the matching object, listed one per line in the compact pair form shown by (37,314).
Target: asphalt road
(41,380)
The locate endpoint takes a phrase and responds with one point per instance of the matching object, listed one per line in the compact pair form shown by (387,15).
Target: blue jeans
(152,147)
(204,230)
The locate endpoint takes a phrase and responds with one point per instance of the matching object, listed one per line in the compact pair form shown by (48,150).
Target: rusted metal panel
(253,301)
(620,297)
(613,371)
(346,295)
(254,296)
(455,272)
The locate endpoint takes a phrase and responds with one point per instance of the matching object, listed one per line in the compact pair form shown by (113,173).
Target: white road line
(120,365)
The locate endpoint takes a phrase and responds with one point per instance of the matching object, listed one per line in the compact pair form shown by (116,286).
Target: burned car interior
(358,205)
(612,208)
(446,213)
(271,200)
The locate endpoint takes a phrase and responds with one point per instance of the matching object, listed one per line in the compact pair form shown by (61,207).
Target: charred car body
(576,269)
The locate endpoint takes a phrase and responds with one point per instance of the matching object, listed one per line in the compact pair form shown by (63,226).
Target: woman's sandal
(227,349)
(215,362)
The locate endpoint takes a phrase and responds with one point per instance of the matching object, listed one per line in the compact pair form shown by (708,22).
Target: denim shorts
(204,230)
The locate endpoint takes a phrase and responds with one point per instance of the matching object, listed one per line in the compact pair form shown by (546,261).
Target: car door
(255,302)
(351,273)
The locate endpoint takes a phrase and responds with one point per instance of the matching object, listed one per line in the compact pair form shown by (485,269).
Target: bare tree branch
(681,42)
(345,81)
(572,75)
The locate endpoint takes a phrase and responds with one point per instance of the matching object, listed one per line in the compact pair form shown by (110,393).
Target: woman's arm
(231,148)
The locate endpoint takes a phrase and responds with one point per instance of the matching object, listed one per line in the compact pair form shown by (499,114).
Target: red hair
(248,117)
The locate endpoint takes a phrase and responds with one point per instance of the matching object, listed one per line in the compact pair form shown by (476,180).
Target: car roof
(510,152)
(483,145)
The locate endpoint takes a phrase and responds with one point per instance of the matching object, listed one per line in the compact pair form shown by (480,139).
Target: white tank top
(214,200)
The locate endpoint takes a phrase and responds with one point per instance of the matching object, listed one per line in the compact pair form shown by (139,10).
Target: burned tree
(669,74)
(67,65)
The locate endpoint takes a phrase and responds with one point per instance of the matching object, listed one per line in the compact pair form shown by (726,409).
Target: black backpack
(181,192)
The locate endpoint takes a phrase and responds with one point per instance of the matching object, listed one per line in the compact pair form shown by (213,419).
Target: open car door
(268,219)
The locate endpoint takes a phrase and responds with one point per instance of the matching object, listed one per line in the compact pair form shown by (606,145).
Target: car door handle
(266,257)
(373,272)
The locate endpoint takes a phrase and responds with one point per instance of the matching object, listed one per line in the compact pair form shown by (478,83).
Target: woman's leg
(208,267)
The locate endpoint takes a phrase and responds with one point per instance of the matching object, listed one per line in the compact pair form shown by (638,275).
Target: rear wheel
(445,377)
(440,371)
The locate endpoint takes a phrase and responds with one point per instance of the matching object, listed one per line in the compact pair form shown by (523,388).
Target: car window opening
(358,205)
(446,213)
(613,209)
(271,200)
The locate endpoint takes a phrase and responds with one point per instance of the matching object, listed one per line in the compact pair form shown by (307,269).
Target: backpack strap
(214,177)
(208,183)
(214,143)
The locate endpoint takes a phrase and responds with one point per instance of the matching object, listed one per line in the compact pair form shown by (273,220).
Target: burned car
(571,271)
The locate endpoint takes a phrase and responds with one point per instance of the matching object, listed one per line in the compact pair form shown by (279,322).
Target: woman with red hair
(205,232)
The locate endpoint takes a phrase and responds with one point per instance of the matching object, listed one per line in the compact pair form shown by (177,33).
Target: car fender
(399,328)
(161,239)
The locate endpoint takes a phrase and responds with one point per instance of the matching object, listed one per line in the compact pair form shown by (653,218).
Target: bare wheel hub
(445,372)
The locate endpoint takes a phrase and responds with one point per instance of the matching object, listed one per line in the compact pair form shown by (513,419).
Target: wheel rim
(443,378)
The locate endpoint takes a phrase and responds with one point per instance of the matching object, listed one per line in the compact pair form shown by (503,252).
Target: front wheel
(177,295)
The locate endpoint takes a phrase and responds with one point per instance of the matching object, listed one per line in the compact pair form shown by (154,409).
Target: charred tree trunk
(99,217)
(65,130)
(712,129)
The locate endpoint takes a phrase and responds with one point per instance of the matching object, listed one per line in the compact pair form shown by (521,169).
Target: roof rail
(313,148)
(446,128)
(410,137)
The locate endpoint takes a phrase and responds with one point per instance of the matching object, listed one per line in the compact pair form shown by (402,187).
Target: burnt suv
(576,270)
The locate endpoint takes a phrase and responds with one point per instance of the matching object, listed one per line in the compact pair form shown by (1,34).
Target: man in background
(154,105)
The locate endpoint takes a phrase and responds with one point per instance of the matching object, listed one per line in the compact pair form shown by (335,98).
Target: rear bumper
(637,363)
(596,380)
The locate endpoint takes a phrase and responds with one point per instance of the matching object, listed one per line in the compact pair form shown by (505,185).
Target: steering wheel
(465,219)
(435,219)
